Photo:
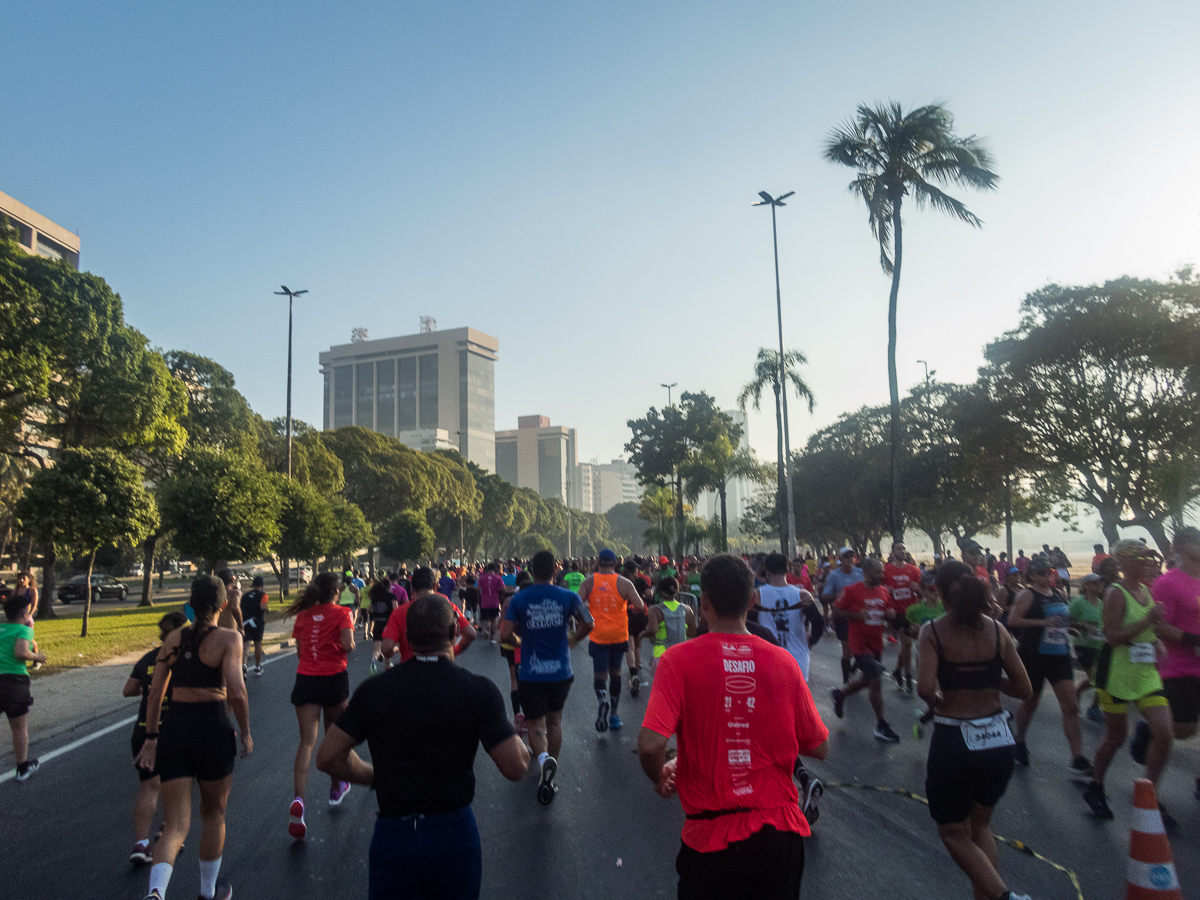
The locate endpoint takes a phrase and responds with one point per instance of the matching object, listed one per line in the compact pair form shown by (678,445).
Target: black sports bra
(188,670)
(968,676)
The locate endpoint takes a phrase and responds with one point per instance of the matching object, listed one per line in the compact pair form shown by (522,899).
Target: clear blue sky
(576,179)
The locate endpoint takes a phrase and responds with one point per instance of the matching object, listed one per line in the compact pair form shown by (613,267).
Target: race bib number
(1055,635)
(987,734)
(1142,653)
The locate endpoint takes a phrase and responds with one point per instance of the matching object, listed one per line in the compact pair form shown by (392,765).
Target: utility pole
(291,295)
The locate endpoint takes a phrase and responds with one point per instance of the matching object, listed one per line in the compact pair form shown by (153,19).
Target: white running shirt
(781,613)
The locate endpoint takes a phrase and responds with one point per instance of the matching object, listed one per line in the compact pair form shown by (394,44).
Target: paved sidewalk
(75,703)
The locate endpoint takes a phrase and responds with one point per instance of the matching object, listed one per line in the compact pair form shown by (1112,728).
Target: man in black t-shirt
(254,617)
(423,722)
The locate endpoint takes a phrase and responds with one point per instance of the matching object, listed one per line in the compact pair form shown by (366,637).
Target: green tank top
(672,629)
(573,580)
(1122,676)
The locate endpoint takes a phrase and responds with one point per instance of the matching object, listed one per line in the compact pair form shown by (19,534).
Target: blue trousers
(426,858)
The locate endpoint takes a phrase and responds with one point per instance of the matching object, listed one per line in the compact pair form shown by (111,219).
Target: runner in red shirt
(867,606)
(324,633)
(742,713)
(903,580)
(798,575)
(395,633)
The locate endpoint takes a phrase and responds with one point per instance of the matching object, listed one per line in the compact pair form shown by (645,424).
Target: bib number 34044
(987,734)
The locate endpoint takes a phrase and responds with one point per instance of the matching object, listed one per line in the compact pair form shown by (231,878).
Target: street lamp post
(668,387)
(768,200)
(291,295)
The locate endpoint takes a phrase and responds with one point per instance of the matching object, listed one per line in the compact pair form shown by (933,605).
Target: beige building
(431,390)
(540,456)
(37,234)
(613,483)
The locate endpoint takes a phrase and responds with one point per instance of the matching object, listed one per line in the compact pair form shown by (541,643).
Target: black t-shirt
(381,610)
(423,722)
(143,671)
(470,596)
(252,608)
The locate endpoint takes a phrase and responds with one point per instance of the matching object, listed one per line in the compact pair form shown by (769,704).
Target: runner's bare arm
(652,753)
(132,688)
(821,751)
(235,691)
(336,758)
(1016,615)
(507,627)
(927,686)
(1015,682)
(511,757)
(652,627)
(347,636)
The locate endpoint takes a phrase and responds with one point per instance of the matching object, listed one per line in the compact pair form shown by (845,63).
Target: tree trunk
(87,597)
(1108,527)
(1008,516)
(1159,533)
(148,568)
(782,480)
(724,521)
(46,597)
(286,577)
(893,381)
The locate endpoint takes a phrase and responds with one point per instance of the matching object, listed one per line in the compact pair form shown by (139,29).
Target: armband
(152,737)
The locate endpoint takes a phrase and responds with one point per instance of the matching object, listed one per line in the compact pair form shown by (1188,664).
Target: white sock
(160,877)
(542,757)
(208,876)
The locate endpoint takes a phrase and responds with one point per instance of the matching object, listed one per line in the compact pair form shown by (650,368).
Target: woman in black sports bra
(966,662)
(197,742)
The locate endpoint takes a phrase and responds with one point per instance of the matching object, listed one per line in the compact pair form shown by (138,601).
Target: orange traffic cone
(1151,873)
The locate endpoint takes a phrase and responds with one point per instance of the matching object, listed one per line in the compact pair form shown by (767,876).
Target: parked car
(300,574)
(104,587)
(136,571)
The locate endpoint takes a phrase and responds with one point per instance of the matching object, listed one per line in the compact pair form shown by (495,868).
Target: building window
(54,250)
(429,391)
(550,474)
(343,396)
(506,460)
(385,409)
(365,395)
(328,386)
(407,393)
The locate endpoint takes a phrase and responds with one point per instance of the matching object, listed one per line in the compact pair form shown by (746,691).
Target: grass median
(111,633)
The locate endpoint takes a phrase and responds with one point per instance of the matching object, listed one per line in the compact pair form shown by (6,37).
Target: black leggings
(768,865)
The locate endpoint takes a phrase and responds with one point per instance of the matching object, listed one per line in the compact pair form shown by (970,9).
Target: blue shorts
(607,657)
(426,856)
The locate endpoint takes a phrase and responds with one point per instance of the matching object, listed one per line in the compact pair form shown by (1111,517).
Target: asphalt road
(67,831)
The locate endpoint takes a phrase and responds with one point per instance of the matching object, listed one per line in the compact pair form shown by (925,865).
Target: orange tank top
(608,609)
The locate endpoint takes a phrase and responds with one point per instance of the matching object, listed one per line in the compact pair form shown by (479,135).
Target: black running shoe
(1080,767)
(884,732)
(1021,753)
(815,792)
(1140,743)
(602,714)
(27,768)
(140,855)
(839,702)
(635,685)
(546,787)
(1094,797)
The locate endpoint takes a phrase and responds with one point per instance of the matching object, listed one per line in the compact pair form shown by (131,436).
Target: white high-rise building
(613,483)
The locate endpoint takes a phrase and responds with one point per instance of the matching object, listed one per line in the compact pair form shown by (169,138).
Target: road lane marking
(124,723)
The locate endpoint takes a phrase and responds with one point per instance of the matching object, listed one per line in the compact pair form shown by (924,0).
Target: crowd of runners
(722,643)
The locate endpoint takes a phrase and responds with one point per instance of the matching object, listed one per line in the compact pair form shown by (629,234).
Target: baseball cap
(607,556)
(258,581)
(1013,570)
(845,550)
(1089,578)
(662,561)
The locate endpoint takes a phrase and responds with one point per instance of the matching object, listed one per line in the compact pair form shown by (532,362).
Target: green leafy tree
(218,416)
(221,506)
(767,373)
(899,154)
(625,526)
(1101,381)
(306,526)
(351,530)
(313,463)
(714,464)
(88,500)
(382,475)
(406,536)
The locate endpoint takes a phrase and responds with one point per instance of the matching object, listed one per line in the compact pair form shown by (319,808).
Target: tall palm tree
(766,372)
(898,154)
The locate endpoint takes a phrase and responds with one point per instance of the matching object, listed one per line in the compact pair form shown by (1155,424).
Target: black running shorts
(1042,668)
(541,697)
(956,777)
(323,690)
(196,740)
(1183,693)
(15,696)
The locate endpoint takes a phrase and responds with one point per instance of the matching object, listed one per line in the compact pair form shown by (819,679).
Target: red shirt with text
(866,637)
(318,634)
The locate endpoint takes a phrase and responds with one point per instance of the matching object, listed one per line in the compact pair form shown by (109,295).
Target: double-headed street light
(291,295)
(788,532)
(668,387)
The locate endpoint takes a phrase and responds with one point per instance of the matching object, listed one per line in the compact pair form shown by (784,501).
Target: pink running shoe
(296,826)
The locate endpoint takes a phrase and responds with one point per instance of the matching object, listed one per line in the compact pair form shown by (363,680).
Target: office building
(431,390)
(540,456)
(613,483)
(37,234)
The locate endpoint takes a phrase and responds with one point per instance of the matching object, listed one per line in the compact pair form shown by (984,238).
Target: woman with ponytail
(324,633)
(966,662)
(204,665)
